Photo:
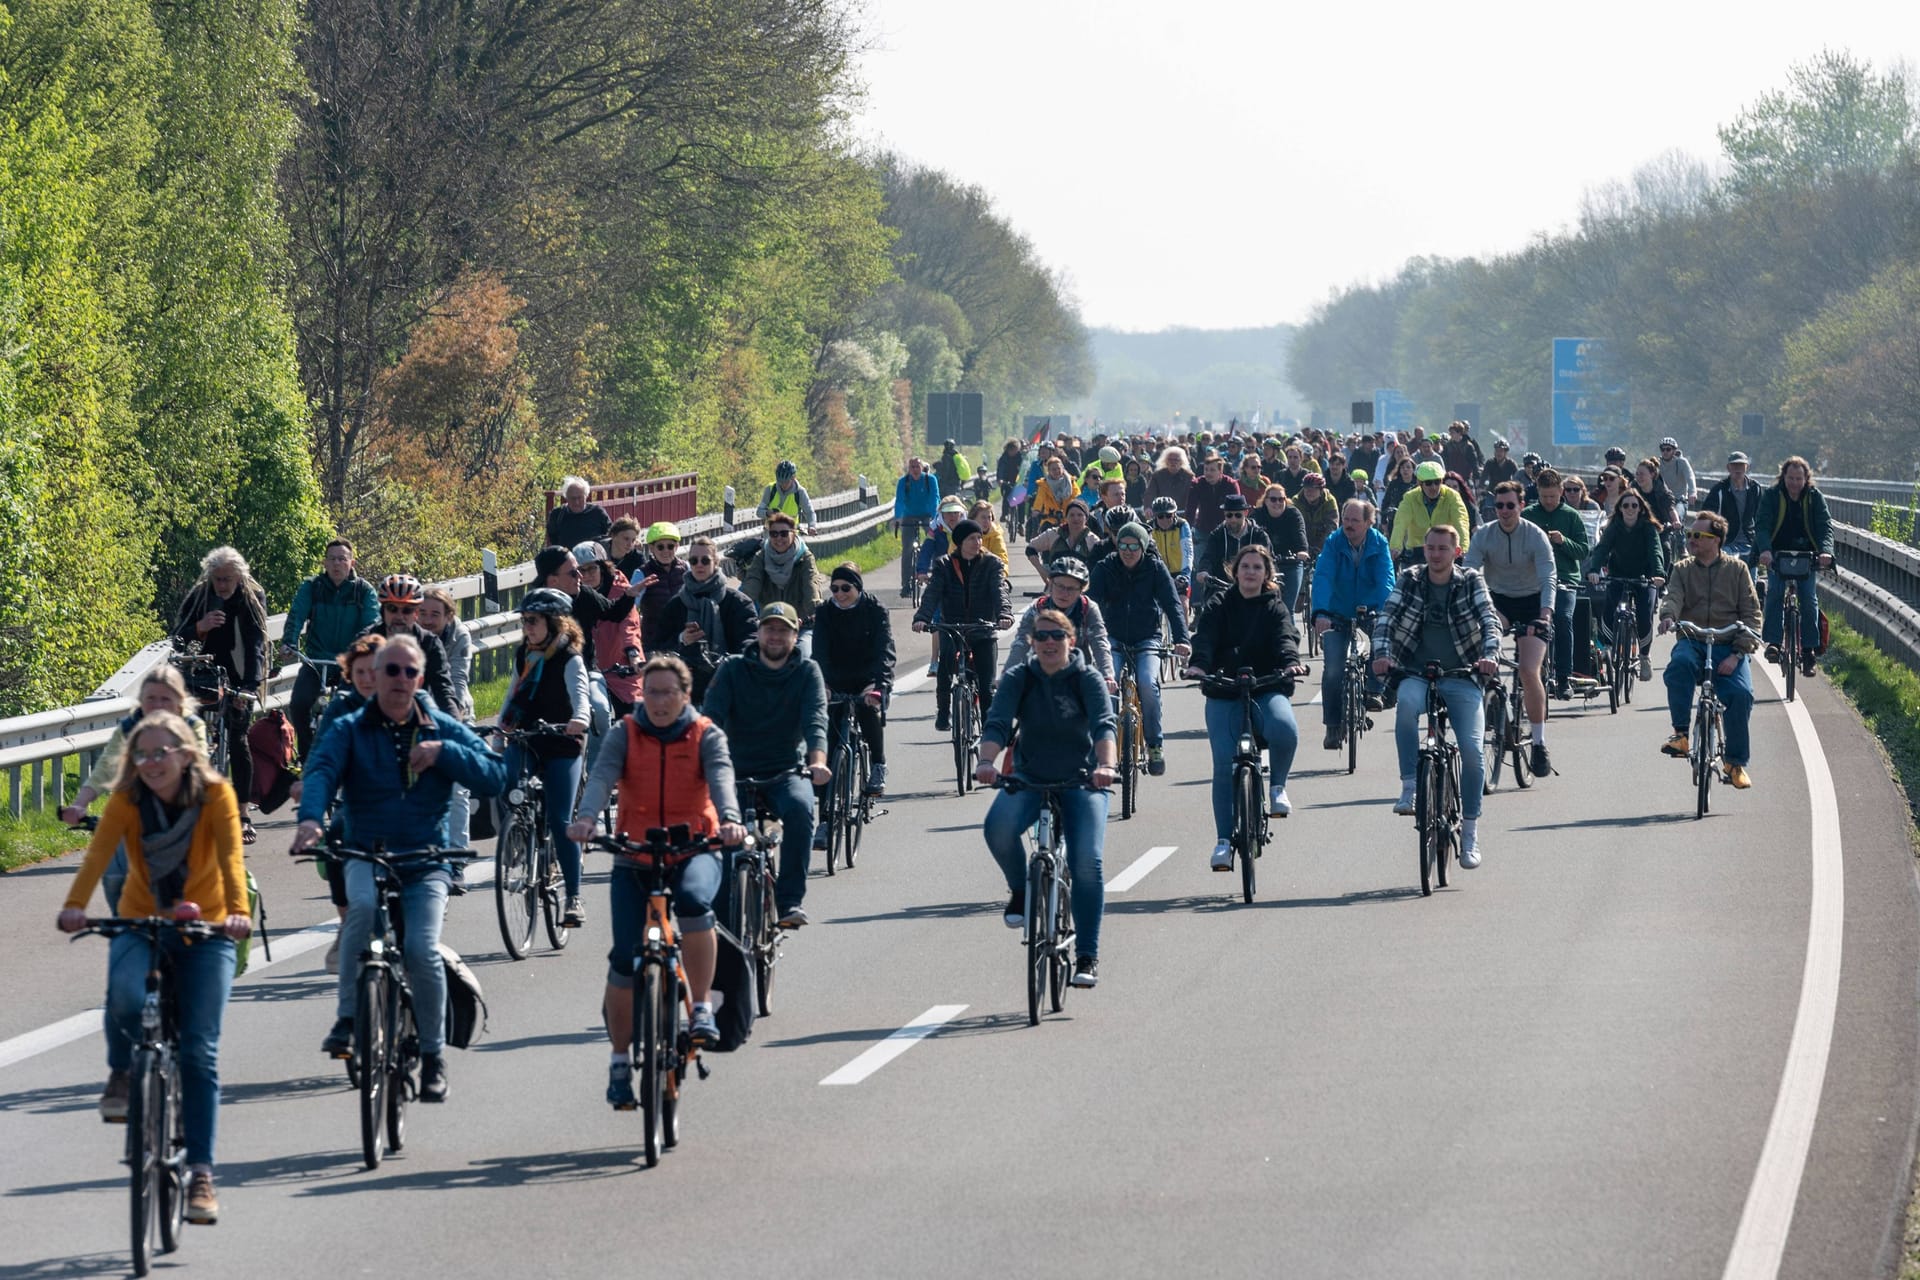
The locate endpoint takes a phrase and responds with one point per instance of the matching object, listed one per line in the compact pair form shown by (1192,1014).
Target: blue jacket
(357,760)
(1339,588)
(917,501)
(932,547)
(1132,601)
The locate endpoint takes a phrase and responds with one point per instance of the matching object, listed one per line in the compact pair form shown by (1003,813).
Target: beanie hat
(1134,531)
(962,531)
(847,573)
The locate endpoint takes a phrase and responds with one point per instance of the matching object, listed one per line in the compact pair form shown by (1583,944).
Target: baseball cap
(782,613)
(1738,456)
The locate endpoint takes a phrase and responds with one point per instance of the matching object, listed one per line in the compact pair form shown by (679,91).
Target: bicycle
(206,681)
(1788,570)
(1706,749)
(526,868)
(1132,724)
(1252,829)
(1355,720)
(1049,934)
(760,934)
(1508,731)
(386,1041)
(662,1045)
(156,1156)
(911,530)
(964,709)
(1436,784)
(848,807)
(1621,657)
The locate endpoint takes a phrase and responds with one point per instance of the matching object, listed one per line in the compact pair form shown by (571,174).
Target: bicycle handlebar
(963,628)
(662,845)
(339,851)
(538,729)
(1244,679)
(1433,671)
(152,926)
(1715,635)
(1080,782)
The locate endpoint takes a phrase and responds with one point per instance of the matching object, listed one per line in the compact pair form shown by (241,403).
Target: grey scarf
(164,842)
(779,565)
(703,610)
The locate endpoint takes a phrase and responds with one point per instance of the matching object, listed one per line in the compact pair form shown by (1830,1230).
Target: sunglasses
(154,756)
(1694,535)
(842,589)
(400,608)
(1130,546)
(780,533)
(1630,506)
(699,559)
(401,669)
(1506,506)
(571,572)
(1050,634)
(1425,483)
(665,546)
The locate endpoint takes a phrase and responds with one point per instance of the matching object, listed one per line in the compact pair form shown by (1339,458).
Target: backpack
(274,752)
(466,1006)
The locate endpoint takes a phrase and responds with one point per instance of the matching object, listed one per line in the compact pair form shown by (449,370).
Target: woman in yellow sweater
(993,540)
(180,824)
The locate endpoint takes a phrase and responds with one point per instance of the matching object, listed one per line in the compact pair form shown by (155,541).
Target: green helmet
(662,531)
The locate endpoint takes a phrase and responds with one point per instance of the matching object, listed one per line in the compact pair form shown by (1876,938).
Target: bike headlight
(1246,745)
(516,797)
(653,934)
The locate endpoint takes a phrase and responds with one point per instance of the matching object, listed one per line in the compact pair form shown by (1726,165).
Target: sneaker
(332,962)
(1404,805)
(941,724)
(1646,667)
(1277,803)
(203,1207)
(1086,972)
(820,836)
(620,1087)
(339,1041)
(793,918)
(1562,691)
(1737,777)
(1773,654)
(877,778)
(1016,912)
(1538,762)
(1469,848)
(704,1030)
(433,1077)
(1335,738)
(906,593)
(113,1098)
(1373,702)
(1156,762)
(1678,745)
(1222,855)
(1809,665)
(575,916)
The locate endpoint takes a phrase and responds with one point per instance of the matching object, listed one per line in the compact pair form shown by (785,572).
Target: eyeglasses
(1233,515)
(843,589)
(699,559)
(154,756)
(401,669)
(780,533)
(401,608)
(1694,535)
(1049,634)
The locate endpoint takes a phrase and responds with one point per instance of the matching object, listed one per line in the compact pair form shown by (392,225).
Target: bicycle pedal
(626,1106)
(700,1065)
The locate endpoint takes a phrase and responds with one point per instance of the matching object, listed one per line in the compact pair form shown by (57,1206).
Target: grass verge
(35,837)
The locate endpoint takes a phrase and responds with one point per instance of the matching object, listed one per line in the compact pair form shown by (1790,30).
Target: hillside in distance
(1180,373)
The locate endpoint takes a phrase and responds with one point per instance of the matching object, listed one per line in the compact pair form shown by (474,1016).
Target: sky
(1213,164)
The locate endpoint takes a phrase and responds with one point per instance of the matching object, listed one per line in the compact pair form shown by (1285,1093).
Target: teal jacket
(1773,514)
(1571,551)
(332,616)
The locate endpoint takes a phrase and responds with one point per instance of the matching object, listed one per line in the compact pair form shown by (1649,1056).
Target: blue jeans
(1736,693)
(423,901)
(792,800)
(203,974)
(1773,612)
(1084,815)
(1333,673)
(561,776)
(1273,718)
(1467,717)
(695,885)
(1291,574)
(1563,602)
(1146,678)
(1642,613)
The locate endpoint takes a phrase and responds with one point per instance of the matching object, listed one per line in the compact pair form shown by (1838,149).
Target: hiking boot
(433,1077)
(339,1041)
(203,1206)
(1678,745)
(113,1098)
(1156,762)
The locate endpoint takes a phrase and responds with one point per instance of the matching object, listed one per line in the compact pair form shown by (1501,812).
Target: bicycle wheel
(767,951)
(1519,738)
(1353,711)
(1617,675)
(837,806)
(1250,810)
(514,887)
(1425,820)
(960,717)
(1039,937)
(649,1047)
(370,1043)
(145,1113)
(398,1086)
(860,811)
(1494,738)
(171,1188)
(1703,767)
(1449,812)
(1060,910)
(739,888)
(1129,757)
(552,897)
(1790,638)
(675,1070)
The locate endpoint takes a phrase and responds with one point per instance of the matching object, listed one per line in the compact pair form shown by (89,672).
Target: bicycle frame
(1437,803)
(1788,570)
(1048,938)
(965,694)
(1706,747)
(1251,826)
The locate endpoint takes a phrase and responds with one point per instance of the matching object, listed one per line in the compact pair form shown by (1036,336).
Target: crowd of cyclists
(653,672)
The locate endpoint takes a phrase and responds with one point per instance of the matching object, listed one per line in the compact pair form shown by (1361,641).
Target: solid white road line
(1137,872)
(1761,1239)
(910,681)
(51,1036)
(896,1044)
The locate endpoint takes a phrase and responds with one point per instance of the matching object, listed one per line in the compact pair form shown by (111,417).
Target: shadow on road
(285,990)
(1620,820)
(54,1100)
(283,1090)
(86,1264)
(589,1036)
(925,911)
(979,1024)
(499,1171)
(1230,901)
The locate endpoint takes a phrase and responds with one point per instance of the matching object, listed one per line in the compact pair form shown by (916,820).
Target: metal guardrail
(36,750)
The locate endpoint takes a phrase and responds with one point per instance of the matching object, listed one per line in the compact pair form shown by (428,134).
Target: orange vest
(663,783)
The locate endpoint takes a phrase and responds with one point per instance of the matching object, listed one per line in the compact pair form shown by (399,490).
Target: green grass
(487,697)
(882,548)
(35,837)
(1887,696)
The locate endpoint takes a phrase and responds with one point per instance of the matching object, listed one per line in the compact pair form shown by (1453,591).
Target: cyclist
(1113,497)
(1443,613)
(981,513)
(939,540)
(161,689)
(1355,570)
(1079,538)
(1341,483)
(1067,580)
(1461,452)
(1677,472)
(357,663)
(400,597)
(1284,525)
(1172,478)
(1793,517)
(1064,722)
(1213,562)
(1105,466)
(773,705)
(1567,533)
(331,608)
(1207,495)
(1173,540)
(550,684)
(1006,469)
(1052,491)
(853,647)
(1517,563)
(1249,626)
(916,501)
(707,621)
(784,571)
(953,469)
(576,519)
(178,823)
(1631,547)
(966,585)
(1433,503)
(1649,485)
(1500,467)
(787,495)
(226,614)
(1737,498)
(395,762)
(1131,591)
(611,638)
(1530,467)
(439,617)
(1710,589)
(1319,509)
(672,766)
(660,573)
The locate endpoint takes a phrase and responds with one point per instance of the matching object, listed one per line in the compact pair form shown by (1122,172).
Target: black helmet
(1164,507)
(785,471)
(1616,454)
(1119,517)
(547,602)
(1069,567)
(1530,459)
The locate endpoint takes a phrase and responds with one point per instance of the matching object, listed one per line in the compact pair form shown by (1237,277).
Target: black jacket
(854,647)
(240,643)
(1214,551)
(980,595)
(1738,509)
(1235,632)
(737,615)
(590,607)
(1131,600)
(439,680)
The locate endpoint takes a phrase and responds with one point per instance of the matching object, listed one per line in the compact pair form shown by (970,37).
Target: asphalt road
(1568,1064)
